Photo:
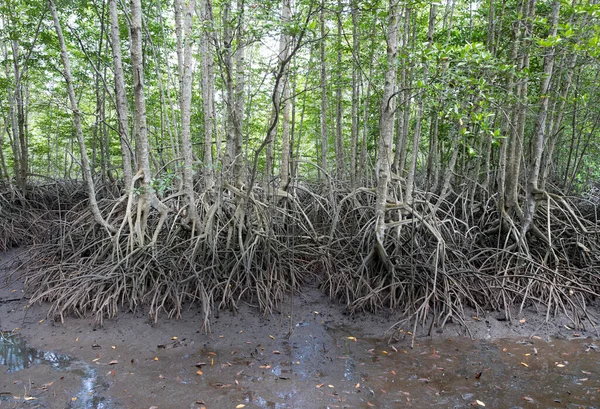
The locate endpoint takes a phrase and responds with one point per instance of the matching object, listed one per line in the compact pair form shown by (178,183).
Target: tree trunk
(355,94)
(186,102)
(85,162)
(120,96)
(208,89)
(386,134)
(323,117)
(339,138)
(285,131)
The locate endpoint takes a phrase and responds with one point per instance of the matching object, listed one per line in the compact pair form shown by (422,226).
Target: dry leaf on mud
(524,364)
(528,399)
(352,339)
(480,403)
(29,398)
(240,406)
(113,362)
(199,372)
(319,386)
(271,336)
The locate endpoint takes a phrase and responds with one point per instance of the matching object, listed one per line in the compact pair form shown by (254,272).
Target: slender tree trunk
(240,82)
(286,110)
(120,96)
(339,137)
(85,162)
(208,89)
(355,94)
(386,134)
(186,102)
(323,117)
(405,99)
(410,179)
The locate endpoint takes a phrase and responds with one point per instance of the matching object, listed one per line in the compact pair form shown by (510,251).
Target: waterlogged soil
(309,354)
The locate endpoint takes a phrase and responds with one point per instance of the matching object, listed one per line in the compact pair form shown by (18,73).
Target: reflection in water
(16,356)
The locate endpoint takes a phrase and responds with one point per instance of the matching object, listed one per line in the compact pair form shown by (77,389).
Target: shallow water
(327,367)
(15,356)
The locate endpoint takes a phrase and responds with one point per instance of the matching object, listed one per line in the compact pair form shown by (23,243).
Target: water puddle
(16,356)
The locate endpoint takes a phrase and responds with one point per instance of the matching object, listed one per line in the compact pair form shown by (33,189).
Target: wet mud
(309,354)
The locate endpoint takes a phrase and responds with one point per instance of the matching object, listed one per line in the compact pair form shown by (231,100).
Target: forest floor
(309,354)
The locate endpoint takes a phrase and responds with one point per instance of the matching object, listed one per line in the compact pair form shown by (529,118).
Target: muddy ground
(309,354)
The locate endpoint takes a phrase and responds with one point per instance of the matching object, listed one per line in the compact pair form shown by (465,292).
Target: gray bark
(120,96)
(85,162)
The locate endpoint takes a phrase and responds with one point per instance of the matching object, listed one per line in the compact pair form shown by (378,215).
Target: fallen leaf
(276,352)
(480,403)
(271,336)
(200,364)
(331,386)
(265,367)
(113,362)
(393,372)
(357,385)
(212,353)
(241,405)
(528,399)
(560,365)
(199,372)
(370,404)
(29,398)
(522,320)
(173,338)
(74,398)
(476,318)
(394,348)
(320,386)
(156,358)
(384,352)
(352,338)
(524,364)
